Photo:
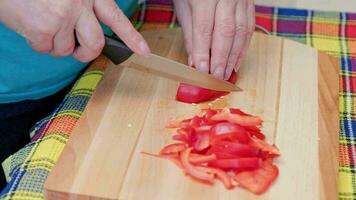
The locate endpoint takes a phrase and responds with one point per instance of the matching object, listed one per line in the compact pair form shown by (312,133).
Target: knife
(118,52)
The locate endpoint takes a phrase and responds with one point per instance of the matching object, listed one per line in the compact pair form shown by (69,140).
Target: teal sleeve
(26,74)
(128,7)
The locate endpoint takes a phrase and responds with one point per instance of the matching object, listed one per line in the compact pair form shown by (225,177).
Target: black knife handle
(114,49)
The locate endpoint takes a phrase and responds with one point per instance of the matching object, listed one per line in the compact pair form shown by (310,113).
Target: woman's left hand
(217,33)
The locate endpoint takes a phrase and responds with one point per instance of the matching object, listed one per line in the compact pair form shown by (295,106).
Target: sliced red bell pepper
(237,163)
(223,144)
(173,124)
(185,123)
(258,180)
(173,149)
(255,133)
(235,149)
(238,136)
(197,158)
(201,142)
(172,157)
(192,170)
(220,174)
(225,130)
(180,137)
(203,129)
(227,127)
(243,120)
(208,113)
(264,146)
(238,111)
(193,94)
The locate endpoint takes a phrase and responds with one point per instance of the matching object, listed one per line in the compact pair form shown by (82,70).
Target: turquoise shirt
(26,74)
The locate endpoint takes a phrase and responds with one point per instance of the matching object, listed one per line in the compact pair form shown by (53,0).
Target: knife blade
(118,52)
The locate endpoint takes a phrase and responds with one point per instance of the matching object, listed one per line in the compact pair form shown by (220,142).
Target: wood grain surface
(292,87)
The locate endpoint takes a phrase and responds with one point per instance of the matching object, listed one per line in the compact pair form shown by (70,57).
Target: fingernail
(219,73)
(237,67)
(229,69)
(190,61)
(145,50)
(203,66)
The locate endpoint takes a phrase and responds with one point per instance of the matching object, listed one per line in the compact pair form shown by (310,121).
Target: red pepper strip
(180,137)
(203,129)
(173,158)
(172,149)
(237,163)
(235,149)
(243,120)
(173,124)
(231,130)
(196,121)
(238,111)
(227,127)
(258,180)
(264,146)
(182,131)
(192,170)
(208,113)
(198,159)
(257,134)
(253,128)
(220,174)
(185,123)
(240,137)
(202,142)
(176,161)
(222,155)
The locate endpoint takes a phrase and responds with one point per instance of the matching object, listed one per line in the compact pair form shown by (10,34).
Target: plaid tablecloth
(331,32)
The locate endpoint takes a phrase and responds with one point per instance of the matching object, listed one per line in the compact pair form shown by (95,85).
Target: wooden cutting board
(292,87)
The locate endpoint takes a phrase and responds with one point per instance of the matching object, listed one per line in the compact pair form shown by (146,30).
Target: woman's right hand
(49,26)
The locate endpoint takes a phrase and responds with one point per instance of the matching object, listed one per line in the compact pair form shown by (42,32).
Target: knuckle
(117,15)
(64,52)
(135,39)
(84,56)
(220,56)
(68,51)
(234,55)
(98,44)
(241,30)
(43,29)
(227,28)
(43,37)
(41,47)
(204,28)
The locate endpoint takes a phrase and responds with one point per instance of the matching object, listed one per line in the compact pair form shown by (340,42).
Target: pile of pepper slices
(225,145)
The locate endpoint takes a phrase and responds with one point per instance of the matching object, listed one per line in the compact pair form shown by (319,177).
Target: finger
(185,20)
(64,42)
(39,36)
(250,29)
(110,14)
(42,43)
(223,36)
(90,37)
(239,39)
(203,23)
